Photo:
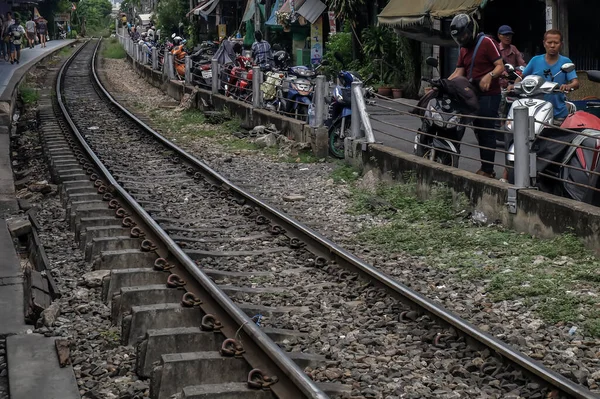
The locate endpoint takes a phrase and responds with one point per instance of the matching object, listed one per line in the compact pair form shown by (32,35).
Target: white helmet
(177,40)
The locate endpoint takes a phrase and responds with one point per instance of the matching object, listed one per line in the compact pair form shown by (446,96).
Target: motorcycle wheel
(336,142)
(302,113)
(440,157)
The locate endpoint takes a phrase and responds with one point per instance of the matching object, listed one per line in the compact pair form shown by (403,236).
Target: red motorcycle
(239,84)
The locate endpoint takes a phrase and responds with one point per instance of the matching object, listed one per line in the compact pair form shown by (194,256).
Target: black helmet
(281,59)
(258,35)
(462,30)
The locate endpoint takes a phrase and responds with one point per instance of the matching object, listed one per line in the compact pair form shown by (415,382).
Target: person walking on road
(2,46)
(42,29)
(16,33)
(480,61)
(30,30)
(8,21)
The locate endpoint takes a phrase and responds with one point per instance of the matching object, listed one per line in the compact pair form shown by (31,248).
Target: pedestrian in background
(2,45)
(42,29)
(8,21)
(30,30)
(510,54)
(16,33)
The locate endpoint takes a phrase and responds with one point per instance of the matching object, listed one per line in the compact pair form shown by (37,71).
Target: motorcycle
(297,89)
(559,159)
(340,110)
(509,98)
(295,95)
(239,83)
(273,80)
(531,92)
(443,127)
(179,54)
(201,64)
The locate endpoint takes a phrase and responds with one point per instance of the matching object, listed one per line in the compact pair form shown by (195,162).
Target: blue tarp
(273,20)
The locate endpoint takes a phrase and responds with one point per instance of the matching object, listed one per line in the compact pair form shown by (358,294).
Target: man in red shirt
(483,68)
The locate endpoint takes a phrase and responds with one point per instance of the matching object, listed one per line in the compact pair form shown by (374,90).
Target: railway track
(225,296)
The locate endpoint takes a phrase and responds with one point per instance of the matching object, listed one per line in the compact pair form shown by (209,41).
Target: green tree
(94,14)
(346,9)
(170,13)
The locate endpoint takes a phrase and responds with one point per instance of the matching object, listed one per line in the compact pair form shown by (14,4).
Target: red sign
(332,28)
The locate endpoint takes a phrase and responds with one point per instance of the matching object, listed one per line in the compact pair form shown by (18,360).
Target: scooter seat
(594,76)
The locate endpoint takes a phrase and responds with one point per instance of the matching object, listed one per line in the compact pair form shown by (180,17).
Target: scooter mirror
(339,57)
(325,62)
(432,62)
(568,67)
(509,68)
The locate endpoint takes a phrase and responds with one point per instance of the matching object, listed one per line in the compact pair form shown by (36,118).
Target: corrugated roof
(312,10)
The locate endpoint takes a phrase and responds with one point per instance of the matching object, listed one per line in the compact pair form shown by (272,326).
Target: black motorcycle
(201,64)
(443,127)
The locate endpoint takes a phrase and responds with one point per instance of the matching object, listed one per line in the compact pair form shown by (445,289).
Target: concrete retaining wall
(540,214)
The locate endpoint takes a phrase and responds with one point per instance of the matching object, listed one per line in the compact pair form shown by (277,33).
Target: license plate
(207,74)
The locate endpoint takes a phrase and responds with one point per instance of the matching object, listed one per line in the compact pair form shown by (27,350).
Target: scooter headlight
(509,125)
(453,121)
(438,119)
(338,95)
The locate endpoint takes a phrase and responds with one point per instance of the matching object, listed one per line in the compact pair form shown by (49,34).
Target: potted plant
(384,89)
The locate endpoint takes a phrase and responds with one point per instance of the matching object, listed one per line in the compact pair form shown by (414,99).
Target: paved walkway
(28,56)
(10,75)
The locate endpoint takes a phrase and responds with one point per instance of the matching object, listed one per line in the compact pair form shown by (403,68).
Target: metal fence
(520,165)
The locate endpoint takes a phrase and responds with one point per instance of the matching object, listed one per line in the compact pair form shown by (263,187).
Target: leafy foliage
(383,44)
(170,13)
(96,14)
(346,9)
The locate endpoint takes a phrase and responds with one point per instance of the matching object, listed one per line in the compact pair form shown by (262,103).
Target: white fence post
(188,70)
(216,76)
(154,58)
(319,97)
(256,92)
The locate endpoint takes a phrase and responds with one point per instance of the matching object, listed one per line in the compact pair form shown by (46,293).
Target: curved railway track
(222,293)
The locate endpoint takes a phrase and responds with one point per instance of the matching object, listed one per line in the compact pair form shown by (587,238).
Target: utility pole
(256,16)
(268,6)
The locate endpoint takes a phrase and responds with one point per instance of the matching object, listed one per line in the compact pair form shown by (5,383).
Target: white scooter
(531,91)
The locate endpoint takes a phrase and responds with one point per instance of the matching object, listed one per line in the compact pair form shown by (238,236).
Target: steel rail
(305,385)
(322,246)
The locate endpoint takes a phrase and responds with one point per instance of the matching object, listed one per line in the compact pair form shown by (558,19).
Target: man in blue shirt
(547,65)
(261,50)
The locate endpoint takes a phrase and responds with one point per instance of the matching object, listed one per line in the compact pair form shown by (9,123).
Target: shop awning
(311,10)
(403,13)
(204,7)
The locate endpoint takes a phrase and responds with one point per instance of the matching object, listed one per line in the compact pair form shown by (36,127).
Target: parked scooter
(239,84)
(340,110)
(531,92)
(443,127)
(297,90)
(201,64)
(273,79)
(558,159)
